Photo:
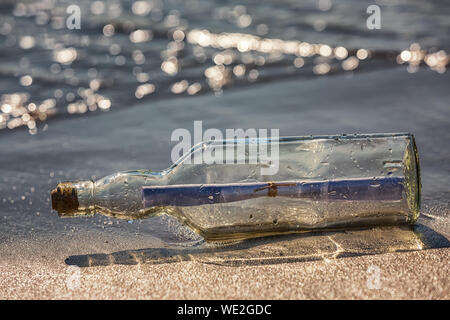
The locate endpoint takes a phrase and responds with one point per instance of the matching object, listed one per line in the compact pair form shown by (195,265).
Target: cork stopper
(64,198)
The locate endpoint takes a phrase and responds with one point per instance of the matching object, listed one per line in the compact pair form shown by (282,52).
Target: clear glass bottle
(322,182)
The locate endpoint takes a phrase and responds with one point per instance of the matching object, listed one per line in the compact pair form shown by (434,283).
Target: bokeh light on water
(128,51)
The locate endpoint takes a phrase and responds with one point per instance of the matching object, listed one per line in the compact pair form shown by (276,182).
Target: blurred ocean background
(80,104)
(126,52)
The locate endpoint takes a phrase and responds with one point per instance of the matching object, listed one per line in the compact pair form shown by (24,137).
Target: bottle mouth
(73,198)
(65,199)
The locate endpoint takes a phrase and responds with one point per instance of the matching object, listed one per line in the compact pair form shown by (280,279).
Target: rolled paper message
(381,188)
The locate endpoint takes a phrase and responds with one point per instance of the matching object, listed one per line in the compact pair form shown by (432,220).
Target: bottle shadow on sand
(279,249)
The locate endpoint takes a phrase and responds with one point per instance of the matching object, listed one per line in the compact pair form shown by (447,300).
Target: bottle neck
(85,193)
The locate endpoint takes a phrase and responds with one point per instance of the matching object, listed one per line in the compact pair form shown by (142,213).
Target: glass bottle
(321,182)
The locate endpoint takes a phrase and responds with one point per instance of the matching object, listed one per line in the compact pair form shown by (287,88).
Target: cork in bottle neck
(65,198)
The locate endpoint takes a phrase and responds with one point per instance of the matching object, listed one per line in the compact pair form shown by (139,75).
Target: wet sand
(44,256)
(406,275)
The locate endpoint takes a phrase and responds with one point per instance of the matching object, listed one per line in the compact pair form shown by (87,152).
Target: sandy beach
(147,259)
(406,275)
